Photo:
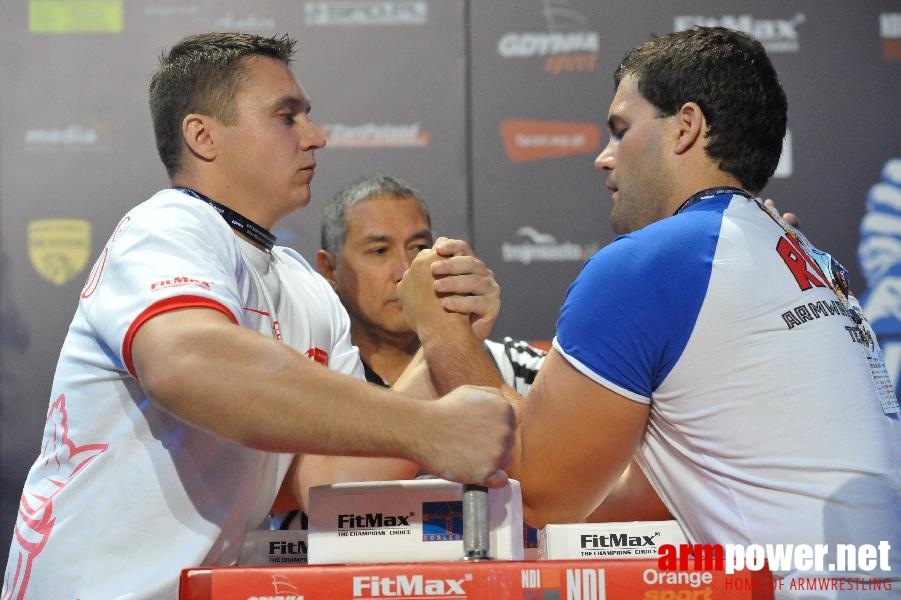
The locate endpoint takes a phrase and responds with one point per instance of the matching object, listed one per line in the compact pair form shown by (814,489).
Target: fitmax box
(406,521)
(635,539)
(274,547)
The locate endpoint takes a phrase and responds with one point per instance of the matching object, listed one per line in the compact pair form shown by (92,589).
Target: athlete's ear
(325,264)
(197,131)
(691,126)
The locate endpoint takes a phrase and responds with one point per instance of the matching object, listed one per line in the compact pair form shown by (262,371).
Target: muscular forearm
(416,380)
(455,356)
(263,394)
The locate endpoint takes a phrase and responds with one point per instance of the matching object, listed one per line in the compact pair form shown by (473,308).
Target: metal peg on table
(476,545)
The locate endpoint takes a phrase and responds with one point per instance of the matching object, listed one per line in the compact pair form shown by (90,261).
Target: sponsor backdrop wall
(494,109)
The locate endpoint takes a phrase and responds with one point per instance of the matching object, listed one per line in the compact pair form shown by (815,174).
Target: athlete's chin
(301,197)
(618,224)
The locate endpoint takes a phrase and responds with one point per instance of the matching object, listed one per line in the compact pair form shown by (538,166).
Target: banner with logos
(542,82)
(494,109)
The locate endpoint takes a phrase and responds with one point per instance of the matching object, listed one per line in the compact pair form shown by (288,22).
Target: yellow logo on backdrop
(75,16)
(59,248)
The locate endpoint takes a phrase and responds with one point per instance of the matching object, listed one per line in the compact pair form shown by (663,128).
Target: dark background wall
(494,109)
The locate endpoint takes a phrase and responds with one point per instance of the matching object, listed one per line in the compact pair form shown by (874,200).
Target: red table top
(485,580)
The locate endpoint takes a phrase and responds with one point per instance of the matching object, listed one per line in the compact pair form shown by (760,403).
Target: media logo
(371,135)
(59,248)
(75,16)
(442,521)
(890,32)
(568,45)
(169,11)
(361,12)
(543,247)
(75,138)
(776,35)
(526,140)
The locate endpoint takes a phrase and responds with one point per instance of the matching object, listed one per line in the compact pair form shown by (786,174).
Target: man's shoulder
(676,242)
(171,206)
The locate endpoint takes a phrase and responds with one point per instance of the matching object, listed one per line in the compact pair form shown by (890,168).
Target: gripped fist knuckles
(451,277)
(474,437)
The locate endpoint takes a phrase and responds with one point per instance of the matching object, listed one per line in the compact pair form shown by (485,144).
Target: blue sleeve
(630,312)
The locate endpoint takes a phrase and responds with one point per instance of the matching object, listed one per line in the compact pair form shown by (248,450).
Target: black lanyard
(238,222)
(710,193)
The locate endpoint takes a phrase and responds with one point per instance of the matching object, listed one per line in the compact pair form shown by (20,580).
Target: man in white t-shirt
(194,369)
(710,340)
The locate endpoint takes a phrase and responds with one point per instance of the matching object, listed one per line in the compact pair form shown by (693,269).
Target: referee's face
(383,235)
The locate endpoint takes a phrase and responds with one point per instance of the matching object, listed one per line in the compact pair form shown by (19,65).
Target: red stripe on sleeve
(161,307)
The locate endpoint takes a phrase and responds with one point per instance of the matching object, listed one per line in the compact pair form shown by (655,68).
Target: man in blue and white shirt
(710,340)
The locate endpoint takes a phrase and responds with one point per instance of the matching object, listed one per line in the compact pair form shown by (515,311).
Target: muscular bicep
(167,339)
(191,361)
(633,498)
(577,438)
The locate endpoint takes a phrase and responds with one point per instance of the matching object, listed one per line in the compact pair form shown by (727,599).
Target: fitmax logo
(283,547)
(617,541)
(379,587)
(776,35)
(373,520)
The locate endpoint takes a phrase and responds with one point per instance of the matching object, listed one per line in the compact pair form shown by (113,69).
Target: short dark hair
(728,74)
(201,74)
(334,215)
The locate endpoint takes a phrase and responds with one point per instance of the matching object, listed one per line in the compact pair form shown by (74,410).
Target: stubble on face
(644,199)
(641,173)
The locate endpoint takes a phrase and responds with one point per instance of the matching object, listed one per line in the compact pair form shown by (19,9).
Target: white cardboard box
(274,547)
(635,539)
(406,521)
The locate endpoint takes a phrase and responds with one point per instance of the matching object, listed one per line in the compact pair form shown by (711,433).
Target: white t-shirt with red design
(124,494)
